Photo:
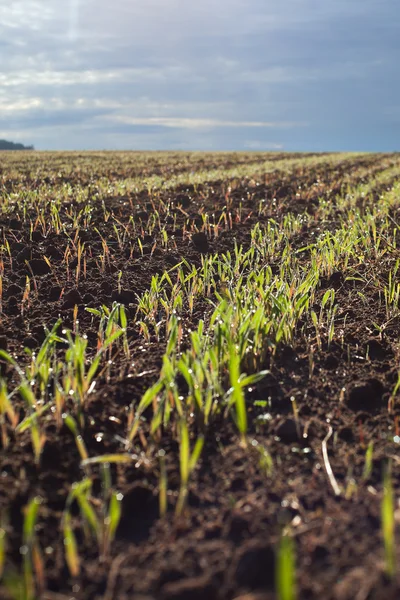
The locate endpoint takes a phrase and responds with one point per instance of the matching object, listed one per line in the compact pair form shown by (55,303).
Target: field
(199,376)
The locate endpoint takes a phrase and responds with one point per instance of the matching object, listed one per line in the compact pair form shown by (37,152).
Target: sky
(292,75)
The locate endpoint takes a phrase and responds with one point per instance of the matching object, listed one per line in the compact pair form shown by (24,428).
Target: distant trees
(4,145)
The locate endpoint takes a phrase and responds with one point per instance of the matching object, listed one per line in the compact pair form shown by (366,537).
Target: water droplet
(114,419)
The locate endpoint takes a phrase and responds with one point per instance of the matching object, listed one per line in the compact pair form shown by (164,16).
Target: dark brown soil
(224,547)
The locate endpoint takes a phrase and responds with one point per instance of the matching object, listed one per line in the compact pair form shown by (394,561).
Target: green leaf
(184,453)
(286,575)
(29,421)
(31,513)
(198,447)
(71,547)
(114,514)
(108,458)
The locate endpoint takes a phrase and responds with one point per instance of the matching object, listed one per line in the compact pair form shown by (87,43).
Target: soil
(224,546)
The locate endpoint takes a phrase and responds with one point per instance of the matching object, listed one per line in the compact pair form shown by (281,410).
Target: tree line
(5,145)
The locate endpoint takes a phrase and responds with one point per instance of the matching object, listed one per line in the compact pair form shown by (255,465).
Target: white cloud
(84,77)
(197,71)
(199,123)
(262,145)
(26,14)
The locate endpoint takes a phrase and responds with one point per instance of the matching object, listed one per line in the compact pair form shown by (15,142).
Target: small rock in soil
(39,266)
(71,299)
(200,241)
(366,396)
(255,566)
(287,431)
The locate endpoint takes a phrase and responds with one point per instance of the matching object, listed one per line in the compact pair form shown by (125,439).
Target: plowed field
(199,376)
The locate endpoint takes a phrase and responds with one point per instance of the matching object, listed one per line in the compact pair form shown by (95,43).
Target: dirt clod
(39,266)
(254,566)
(287,430)
(366,396)
(200,242)
(71,299)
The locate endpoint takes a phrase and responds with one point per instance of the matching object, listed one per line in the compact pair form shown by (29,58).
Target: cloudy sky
(206,75)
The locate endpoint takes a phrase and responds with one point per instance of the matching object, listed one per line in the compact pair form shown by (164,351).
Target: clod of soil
(15,224)
(53,252)
(124,296)
(376,350)
(37,236)
(254,566)
(55,293)
(12,290)
(183,200)
(200,241)
(71,299)
(23,255)
(287,430)
(30,342)
(366,396)
(39,266)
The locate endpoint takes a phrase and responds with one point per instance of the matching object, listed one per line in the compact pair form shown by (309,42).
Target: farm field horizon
(199,375)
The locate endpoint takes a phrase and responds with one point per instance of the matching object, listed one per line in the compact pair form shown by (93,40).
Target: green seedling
(388,524)
(163,485)
(286,569)
(33,565)
(80,444)
(3,542)
(368,464)
(187,463)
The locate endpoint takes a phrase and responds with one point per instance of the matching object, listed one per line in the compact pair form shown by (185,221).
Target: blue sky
(211,75)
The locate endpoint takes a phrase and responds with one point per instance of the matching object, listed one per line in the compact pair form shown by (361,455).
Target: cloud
(183,73)
(261,145)
(199,123)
